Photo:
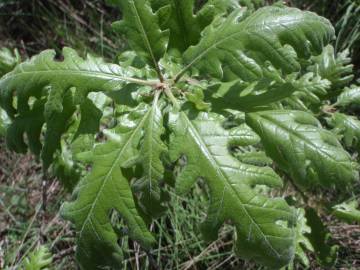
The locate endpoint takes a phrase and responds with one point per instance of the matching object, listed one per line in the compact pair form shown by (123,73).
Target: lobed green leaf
(263,225)
(311,155)
(240,45)
(350,96)
(142,29)
(61,85)
(105,189)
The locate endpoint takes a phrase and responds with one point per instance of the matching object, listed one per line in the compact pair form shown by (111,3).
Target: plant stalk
(171,96)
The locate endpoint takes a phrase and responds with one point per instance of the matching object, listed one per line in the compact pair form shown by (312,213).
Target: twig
(137,250)
(44,191)
(217,266)
(64,253)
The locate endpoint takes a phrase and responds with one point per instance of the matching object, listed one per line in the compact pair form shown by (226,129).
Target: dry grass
(29,211)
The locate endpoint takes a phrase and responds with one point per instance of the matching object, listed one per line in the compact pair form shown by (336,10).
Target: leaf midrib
(150,130)
(108,175)
(85,73)
(146,39)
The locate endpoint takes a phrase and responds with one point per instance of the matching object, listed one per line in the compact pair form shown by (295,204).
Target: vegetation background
(29,206)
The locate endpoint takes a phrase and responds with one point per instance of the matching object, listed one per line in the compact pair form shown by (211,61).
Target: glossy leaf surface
(301,147)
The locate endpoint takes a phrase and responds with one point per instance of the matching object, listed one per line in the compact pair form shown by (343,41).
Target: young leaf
(142,29)
(196,96)
(335,68)
(311,88)
(349,212)
(298,144)
(106,189)
(270,34)
(39,259)
(263,225)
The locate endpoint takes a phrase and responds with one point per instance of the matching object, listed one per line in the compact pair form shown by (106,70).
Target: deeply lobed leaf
(256,55)
(105,189)
(336,68)
(31,77)
(142,29)
(185,27)
(62,85)
(350,96)
(261,223)
(239,47)
(296,141)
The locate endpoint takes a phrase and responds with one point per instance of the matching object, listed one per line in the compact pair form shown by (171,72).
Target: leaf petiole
(171,96)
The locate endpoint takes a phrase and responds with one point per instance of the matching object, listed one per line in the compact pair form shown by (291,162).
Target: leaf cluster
(238,97)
